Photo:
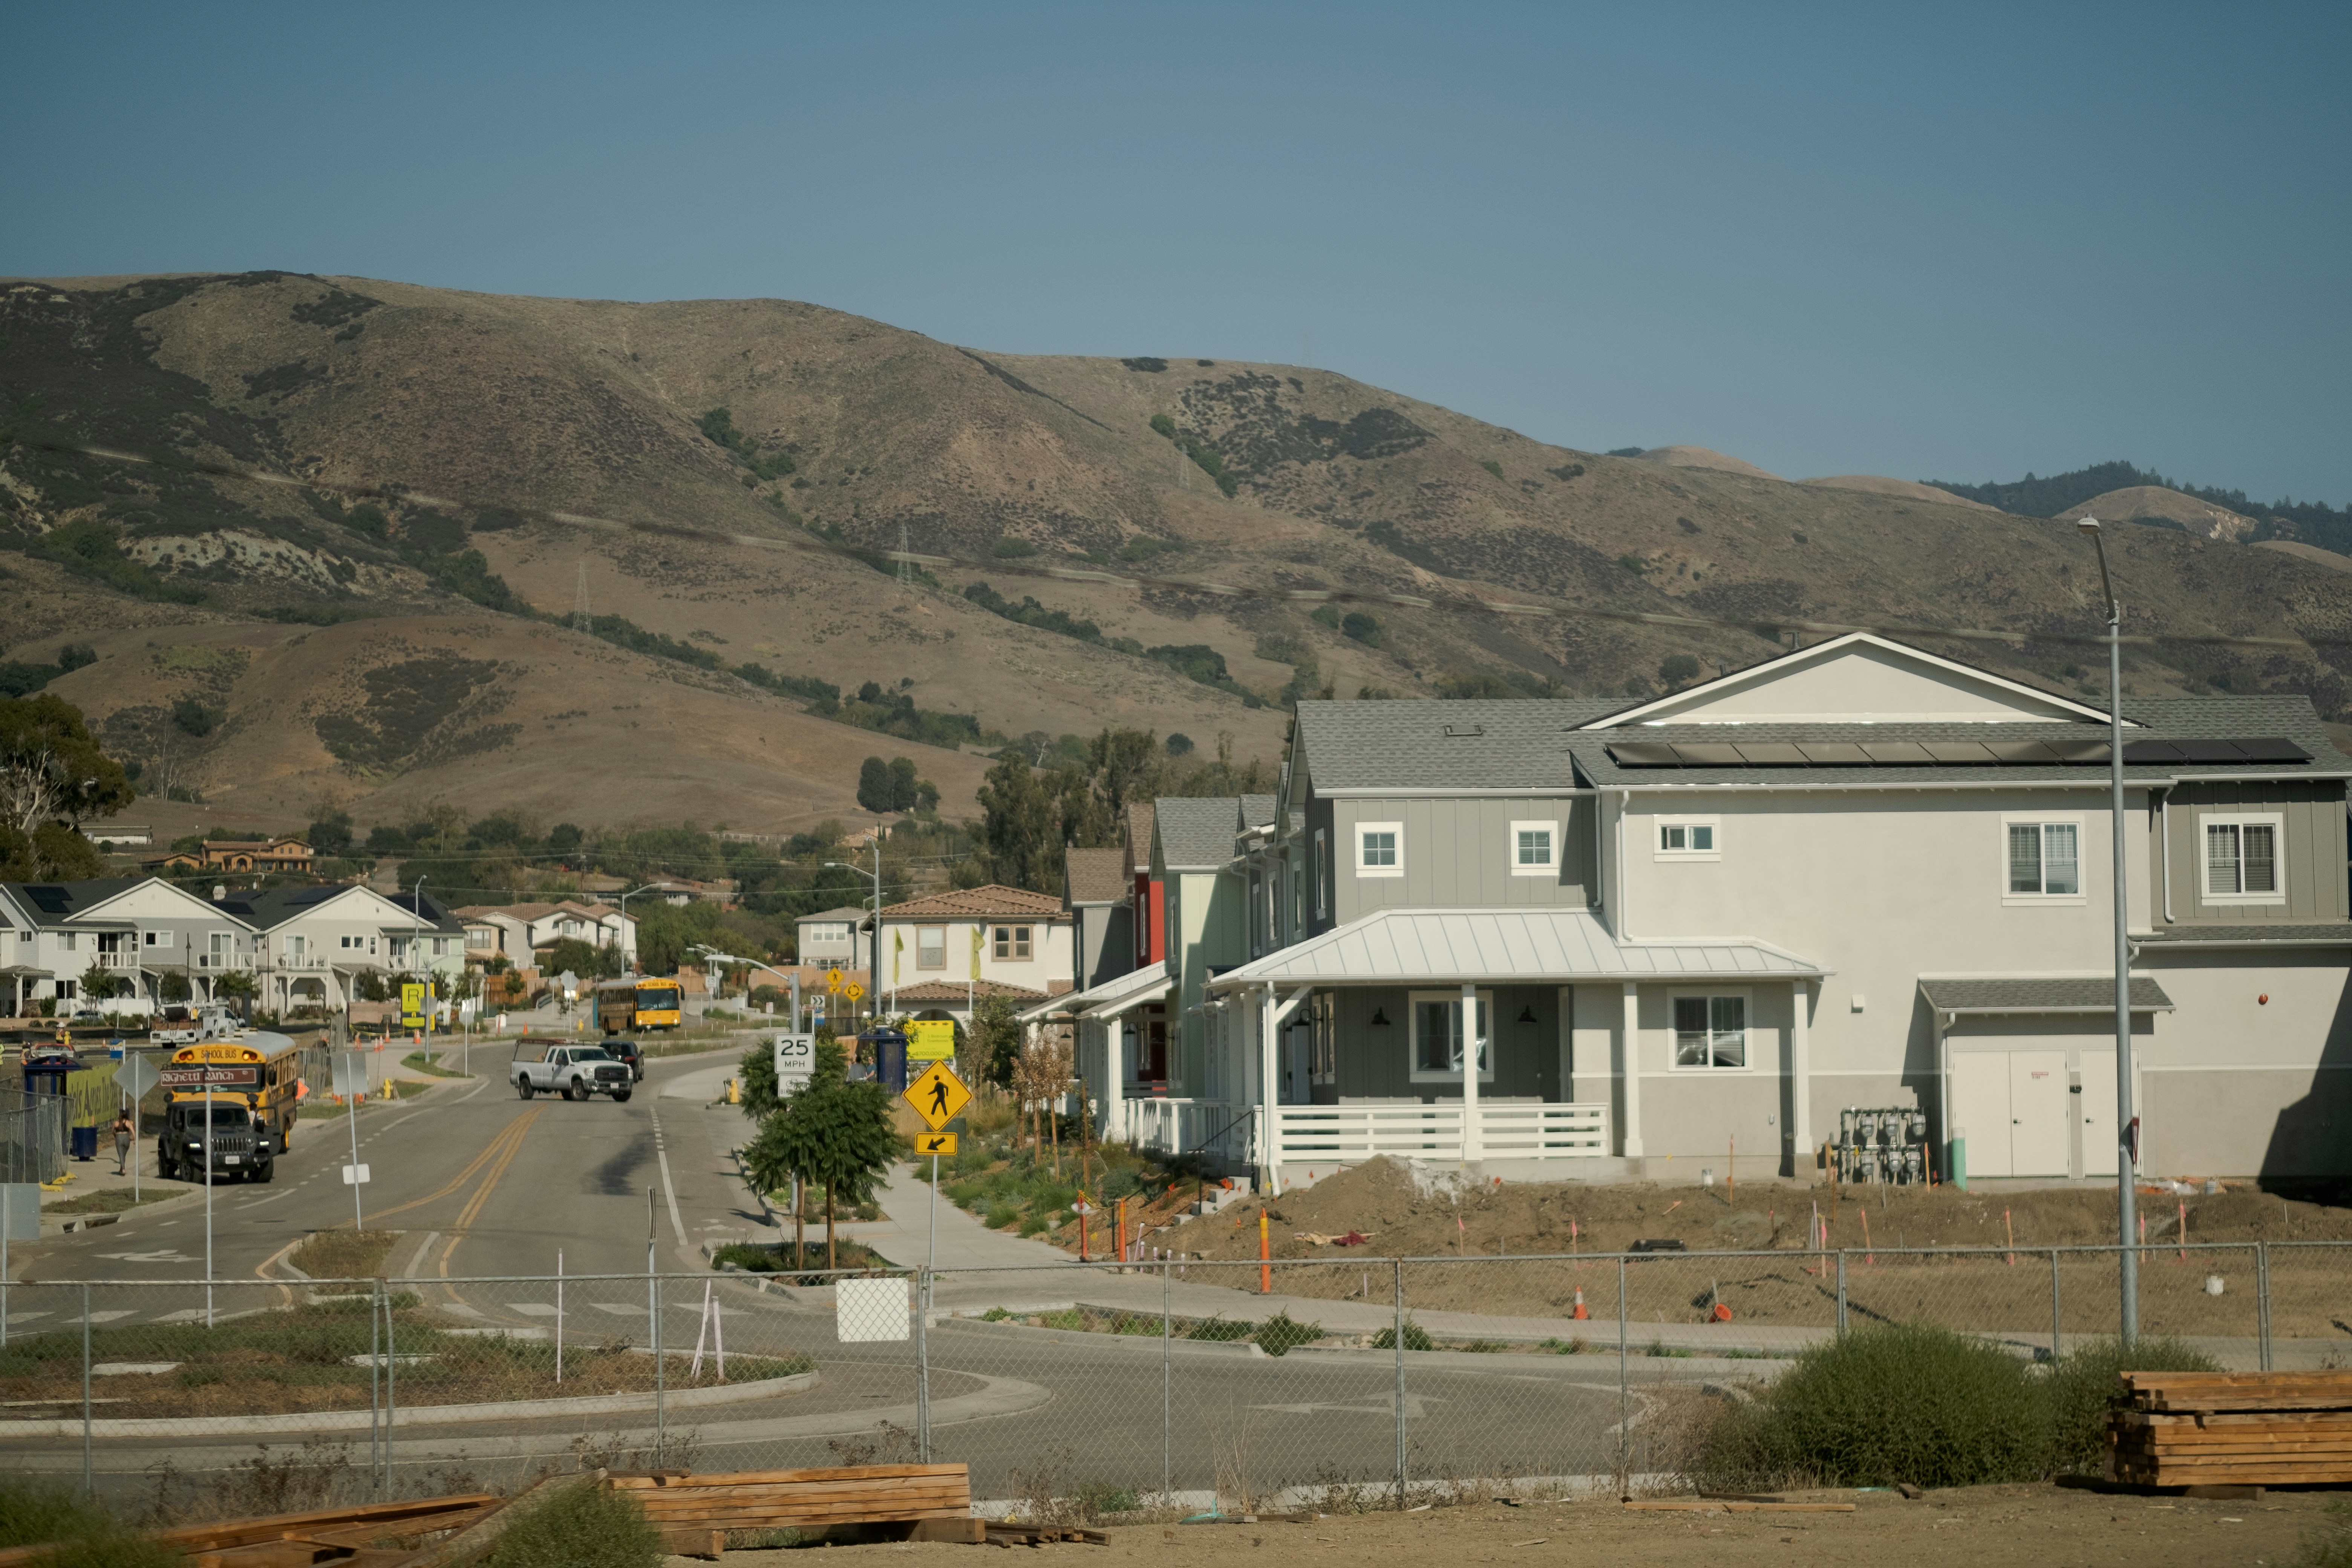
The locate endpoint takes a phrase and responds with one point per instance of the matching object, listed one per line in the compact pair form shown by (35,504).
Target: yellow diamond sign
(939,1096)
(833,981)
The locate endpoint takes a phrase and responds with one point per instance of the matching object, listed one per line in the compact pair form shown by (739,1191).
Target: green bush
(1283,1333)
(1221,1329)
(1884,1406)
(581,1525)
(89,1535)
(2089,1374)
(1416,1338)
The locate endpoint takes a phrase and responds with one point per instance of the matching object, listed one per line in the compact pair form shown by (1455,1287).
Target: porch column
(1473,1146)
(1269,1080)
(1629,1071)
(1801,1082)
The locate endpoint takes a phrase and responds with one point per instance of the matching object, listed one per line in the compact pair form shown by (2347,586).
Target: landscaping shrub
(89,1536)
(1416,1338)
(1883,1405)
(2090,1374)
(580,1526)
(1283,1333)
(1219,1328)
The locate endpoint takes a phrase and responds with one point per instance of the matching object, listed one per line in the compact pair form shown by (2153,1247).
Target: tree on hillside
(1018,819)
(50,768)
(874,785)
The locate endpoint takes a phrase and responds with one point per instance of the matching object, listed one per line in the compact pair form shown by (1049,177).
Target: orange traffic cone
(1580,1311)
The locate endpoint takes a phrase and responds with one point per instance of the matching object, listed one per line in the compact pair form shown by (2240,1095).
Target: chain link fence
(1345,1383)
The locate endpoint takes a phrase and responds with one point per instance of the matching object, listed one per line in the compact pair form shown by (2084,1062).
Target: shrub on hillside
(1883,1405)
(2087,1377)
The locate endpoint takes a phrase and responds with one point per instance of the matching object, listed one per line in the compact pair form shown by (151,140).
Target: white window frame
(940,960)
(1394,828)
(2082,859)
(2276,822)
(1551,867)
(1322,874)
(1713,826)
(1006,942)
(1412,1035)
(1747,1030)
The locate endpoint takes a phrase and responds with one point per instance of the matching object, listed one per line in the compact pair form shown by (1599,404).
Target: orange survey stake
(1264,1268)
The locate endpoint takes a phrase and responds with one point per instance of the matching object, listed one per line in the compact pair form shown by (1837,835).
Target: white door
(1981,1109)
(2095,1108)
(2040,1139)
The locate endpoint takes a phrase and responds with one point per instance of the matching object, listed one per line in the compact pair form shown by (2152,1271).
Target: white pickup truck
(572,1070)
(212,1023)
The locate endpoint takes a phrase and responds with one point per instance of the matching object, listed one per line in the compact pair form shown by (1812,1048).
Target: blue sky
(1957,242)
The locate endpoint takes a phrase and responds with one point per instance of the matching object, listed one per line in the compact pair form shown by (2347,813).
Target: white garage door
(2096,1108)
(1981,1109)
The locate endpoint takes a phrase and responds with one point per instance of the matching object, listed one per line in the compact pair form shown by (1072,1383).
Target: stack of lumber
(343,1536)
(2232,1428)
(1012,1532)
(694,1512)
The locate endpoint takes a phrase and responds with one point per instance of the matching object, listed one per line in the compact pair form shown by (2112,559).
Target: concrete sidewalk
(964,1242)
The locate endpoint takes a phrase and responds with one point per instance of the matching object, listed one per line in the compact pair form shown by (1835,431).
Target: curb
(427,1414)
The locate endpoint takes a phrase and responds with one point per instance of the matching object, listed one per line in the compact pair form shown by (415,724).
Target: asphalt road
(489,1189)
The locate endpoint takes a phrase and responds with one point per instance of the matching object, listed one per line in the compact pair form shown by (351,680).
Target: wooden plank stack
(2232,1428)
(694,1512)
(343,1536)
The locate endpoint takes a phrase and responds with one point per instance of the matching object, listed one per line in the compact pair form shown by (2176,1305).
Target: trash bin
(85,1142)
(888,1047)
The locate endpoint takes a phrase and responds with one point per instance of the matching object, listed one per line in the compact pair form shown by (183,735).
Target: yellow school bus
(247,1092)
(647,1002)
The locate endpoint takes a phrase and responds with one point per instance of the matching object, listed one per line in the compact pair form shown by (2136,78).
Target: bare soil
(1980,1527)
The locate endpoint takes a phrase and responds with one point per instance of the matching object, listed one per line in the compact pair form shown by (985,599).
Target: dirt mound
(1880,485)
(1700,457)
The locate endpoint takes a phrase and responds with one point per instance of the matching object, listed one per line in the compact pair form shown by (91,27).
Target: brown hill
(1880,485)
(1700,457)
(462,462)
(2165,507)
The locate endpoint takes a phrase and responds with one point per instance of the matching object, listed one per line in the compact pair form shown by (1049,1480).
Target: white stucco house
(1855,876)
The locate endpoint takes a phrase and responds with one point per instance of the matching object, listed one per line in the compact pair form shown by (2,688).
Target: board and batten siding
(2311,851)
(1457,854)
(1375,1060)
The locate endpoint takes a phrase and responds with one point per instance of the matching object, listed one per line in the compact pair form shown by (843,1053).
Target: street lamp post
(622,935)
(874,949)
(416,914)
(2127,1121)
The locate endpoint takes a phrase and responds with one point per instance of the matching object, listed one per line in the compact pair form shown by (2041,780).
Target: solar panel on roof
(1642,754)
(50,900)
(1771,755)
(1960,753)
(1897,753)
(1708,754)
(2273,750)
(1833,753)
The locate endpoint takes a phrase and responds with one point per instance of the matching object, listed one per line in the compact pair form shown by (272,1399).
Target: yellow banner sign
(411,1005)
(930,1040)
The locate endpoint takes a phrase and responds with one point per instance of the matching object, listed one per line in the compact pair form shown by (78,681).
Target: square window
(1013,943)
(1533,849)
(1380,850)
(2046,860)
(1710,1031)
(2242,859)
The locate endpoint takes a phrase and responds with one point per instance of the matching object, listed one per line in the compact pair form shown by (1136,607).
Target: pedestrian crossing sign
(938,1096)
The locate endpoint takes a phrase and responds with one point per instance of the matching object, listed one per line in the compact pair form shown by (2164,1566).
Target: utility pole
(2126,1118)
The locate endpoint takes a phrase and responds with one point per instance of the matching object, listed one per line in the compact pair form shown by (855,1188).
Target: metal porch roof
(1454,947)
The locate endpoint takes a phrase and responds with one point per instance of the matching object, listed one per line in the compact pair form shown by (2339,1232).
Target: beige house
(1854,877)
(943,952)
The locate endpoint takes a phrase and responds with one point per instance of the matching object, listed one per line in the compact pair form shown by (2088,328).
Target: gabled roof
(541,910)
(995,902)
(1441,745)
(1096,877)
(1453,947)
(57,904)
(843,913)
(1139,833)
(1908,680)
(1256,811)
(274,907)
(1196,834)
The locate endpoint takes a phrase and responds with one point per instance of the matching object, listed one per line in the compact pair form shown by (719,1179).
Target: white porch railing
(1507,1132)
(1194,1126)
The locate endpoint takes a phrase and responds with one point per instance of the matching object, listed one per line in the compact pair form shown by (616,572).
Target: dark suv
(242,1147)
(629,1051)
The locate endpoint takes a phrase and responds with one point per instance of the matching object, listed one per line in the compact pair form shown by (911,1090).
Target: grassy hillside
(440,473)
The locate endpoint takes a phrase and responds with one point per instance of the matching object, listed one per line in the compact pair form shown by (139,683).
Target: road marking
(25,1317)
(512,1131)
(531,1308)
(103,1317)
(669,1189)
(473,1208)
(165,1257)
(618,1308)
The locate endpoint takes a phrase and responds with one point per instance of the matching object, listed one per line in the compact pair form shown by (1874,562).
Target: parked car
(573,1071)
(629,1052)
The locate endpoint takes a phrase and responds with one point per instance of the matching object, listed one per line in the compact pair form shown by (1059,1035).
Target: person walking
(122,1133)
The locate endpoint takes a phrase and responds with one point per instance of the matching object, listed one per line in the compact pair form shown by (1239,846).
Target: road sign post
(937,1097)
(137,1076)
(350,1081)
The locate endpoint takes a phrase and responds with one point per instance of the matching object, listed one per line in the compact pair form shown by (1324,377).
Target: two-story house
(515,931)
(313,947)
(1528,932)
(138,931)
(837,939)
(944,953)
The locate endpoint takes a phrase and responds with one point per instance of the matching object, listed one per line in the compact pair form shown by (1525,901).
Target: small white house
(942,953)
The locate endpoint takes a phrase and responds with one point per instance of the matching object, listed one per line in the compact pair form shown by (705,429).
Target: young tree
(174,987)
(833,1136)
(100,982)
(997,1041)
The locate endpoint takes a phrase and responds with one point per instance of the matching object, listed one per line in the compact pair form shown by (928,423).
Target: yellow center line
(473,1208)
(511,1133)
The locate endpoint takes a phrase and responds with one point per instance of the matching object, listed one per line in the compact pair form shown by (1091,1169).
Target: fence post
(922,1366)
(2056,1323)
(88,1482)
(1397,1332)
(661,1380)
(375,1390)
(1841,1328)
(1624,1389)
(2262,1303)
(391,1380)
(1167,1402)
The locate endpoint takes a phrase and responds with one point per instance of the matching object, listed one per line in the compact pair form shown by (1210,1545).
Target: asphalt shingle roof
(2249,931)
(1098,875)
(1197,835)
(2032,995)
(1407,744)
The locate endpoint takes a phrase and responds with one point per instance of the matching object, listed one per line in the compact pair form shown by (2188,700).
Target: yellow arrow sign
(936,1144)
(833,981)
(939,1096)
